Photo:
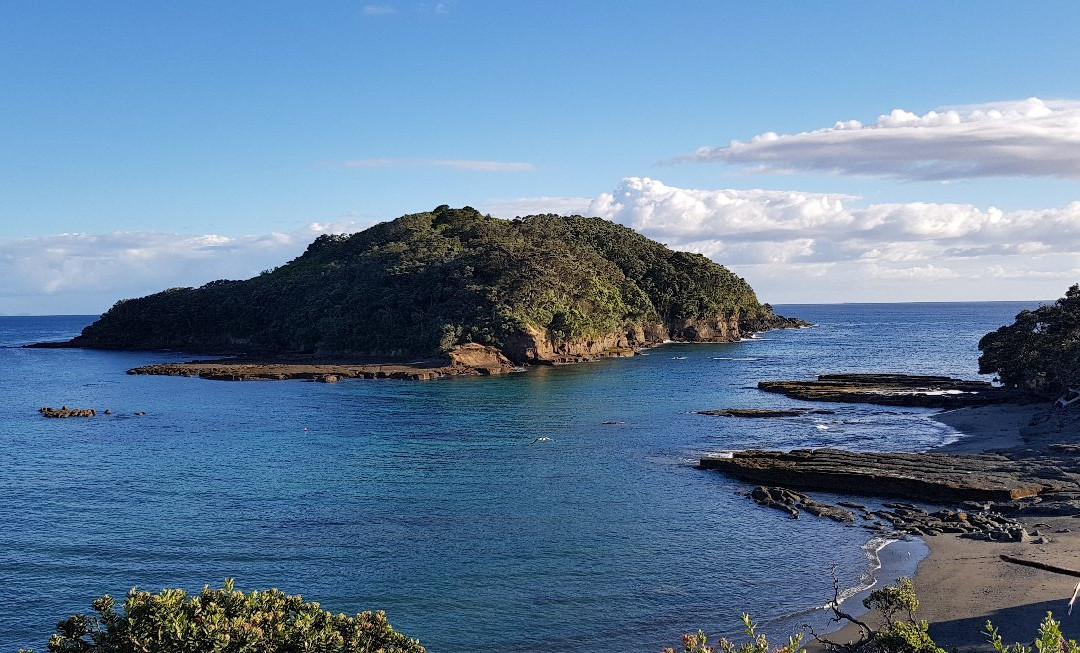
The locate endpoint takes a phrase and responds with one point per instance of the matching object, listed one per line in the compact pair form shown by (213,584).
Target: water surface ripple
(430,500)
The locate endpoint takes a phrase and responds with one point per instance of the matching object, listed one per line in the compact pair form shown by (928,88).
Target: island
(444,292)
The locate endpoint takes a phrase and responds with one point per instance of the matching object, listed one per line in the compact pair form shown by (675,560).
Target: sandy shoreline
(962,583)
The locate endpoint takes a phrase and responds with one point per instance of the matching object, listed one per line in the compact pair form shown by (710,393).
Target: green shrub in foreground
(900,632)
(225,621)
(757,643)
(1050,639)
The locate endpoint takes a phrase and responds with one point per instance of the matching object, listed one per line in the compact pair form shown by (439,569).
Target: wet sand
(963,583)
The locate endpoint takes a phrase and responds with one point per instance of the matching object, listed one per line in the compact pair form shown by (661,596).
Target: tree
(1040,350)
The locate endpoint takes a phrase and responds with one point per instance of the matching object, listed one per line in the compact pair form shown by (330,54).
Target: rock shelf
(465,360)
(895,390)
(926,477)
(754,412)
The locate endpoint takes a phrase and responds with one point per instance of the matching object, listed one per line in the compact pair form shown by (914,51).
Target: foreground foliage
(1050,639)
(756,642)
(425,282)
(1040,351)
(225,621)
(901,631)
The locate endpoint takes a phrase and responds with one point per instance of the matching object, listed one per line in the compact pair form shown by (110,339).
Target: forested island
(443,284)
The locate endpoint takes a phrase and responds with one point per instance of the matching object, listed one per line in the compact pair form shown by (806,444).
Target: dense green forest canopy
(423,283)
(1040,351)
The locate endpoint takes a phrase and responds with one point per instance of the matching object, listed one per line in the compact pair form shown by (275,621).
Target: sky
(826,152)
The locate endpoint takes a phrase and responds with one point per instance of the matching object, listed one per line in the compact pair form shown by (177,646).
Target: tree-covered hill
(1040,351)
(535,287)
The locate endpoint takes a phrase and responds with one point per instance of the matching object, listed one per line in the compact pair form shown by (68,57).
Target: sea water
(481,514)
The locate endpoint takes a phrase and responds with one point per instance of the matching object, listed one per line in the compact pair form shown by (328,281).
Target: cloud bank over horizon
(1025,138)
(796,246)
(80,273)
(792,247)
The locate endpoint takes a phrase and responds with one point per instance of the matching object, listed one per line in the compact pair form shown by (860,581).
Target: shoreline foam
(963,583)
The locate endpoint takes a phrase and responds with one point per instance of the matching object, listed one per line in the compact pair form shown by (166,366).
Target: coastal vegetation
(900,631)
(425,283)
(229,621)
(1040,350)
(224,620)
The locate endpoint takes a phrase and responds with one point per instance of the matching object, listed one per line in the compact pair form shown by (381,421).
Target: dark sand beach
(962,583)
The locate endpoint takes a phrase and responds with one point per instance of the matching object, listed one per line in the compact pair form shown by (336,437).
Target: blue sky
(149,145)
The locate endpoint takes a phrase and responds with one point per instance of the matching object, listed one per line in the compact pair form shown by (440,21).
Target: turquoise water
(431,500)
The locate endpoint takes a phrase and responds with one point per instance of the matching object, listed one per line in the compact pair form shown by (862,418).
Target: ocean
(435,501)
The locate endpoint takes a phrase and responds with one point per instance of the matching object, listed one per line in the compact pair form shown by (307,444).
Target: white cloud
(379,10)
(928,271)
(1023,138)
(454,164)
(439,8)
(522,206)
(791,246)
(682,217)
(87,273)
(852,251)
(667,212)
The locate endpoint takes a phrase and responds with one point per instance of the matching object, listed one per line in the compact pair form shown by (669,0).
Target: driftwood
(1042,565)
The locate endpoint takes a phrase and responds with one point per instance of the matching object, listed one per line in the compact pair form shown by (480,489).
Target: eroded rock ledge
(986,493)
(896,390)
(975,522)
(929,477)
(465,360)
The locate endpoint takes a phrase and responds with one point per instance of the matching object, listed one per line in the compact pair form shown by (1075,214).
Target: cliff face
(540,289)
(534,345)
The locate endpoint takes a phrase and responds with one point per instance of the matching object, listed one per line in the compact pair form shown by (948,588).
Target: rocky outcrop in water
(895,519)
(792,502)
(919,476)
(464,360)
(64,411)
(896,390)
(760,412)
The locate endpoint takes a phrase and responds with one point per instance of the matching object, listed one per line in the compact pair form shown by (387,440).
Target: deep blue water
(430,500)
